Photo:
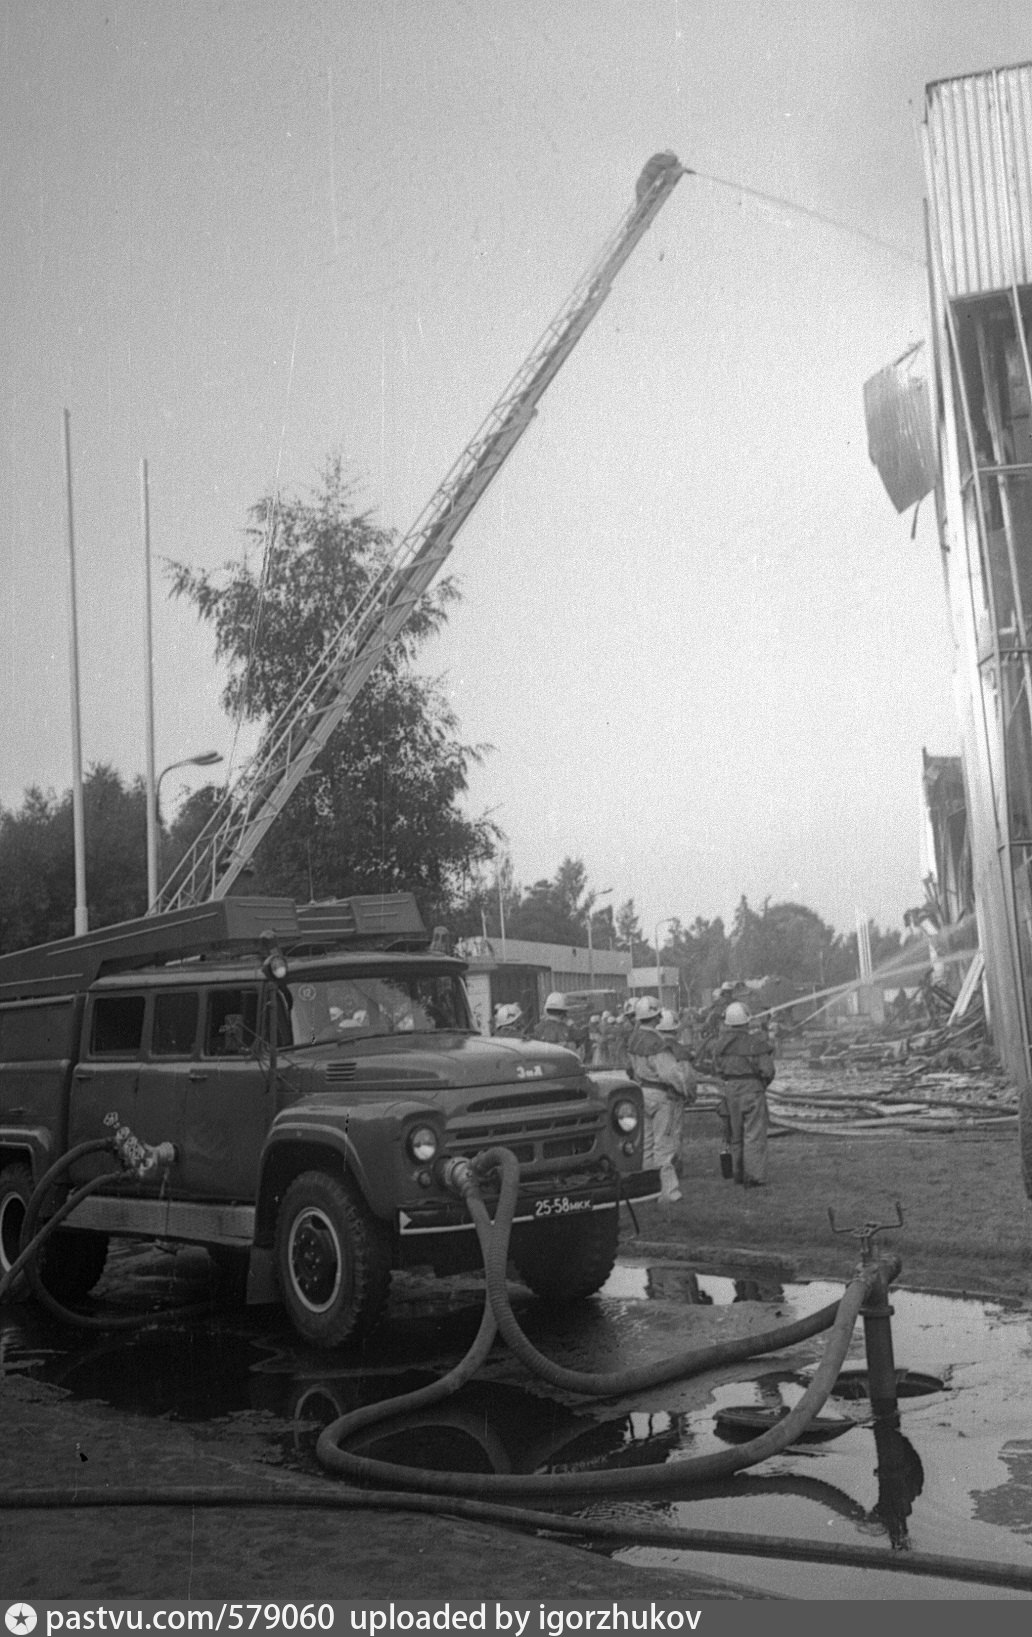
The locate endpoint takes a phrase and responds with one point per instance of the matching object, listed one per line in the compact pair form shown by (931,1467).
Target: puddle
(675,1281)
(854,1385)
(955,1477)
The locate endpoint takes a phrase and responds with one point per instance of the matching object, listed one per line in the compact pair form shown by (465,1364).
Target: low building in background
(519,970)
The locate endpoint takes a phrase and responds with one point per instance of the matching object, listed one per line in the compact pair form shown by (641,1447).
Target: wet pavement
(954,1478)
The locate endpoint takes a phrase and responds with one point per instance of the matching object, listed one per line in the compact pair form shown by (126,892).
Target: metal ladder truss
(293,741)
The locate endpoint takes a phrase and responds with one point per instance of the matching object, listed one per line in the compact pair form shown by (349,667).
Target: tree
(555,911)
(552,911)
(603,927)
(380,810)
(37,859)
(786,940)
(628,932)
(702,953)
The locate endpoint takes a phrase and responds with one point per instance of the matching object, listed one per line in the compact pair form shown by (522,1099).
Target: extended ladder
(292,742)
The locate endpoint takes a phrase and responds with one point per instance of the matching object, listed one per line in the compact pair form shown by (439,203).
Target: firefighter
(554,1027)
(663,1082)
(508,1021)
(744,1066)
(669,1027)
(622,1033)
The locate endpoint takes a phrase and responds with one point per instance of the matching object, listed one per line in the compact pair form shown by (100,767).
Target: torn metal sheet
(900,435)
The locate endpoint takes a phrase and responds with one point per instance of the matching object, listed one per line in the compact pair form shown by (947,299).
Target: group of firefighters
(670,1057)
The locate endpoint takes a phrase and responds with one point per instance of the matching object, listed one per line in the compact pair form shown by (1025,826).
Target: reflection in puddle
(676,1281)
(954,1477)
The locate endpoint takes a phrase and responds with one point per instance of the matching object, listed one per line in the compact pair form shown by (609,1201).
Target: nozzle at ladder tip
(653,169)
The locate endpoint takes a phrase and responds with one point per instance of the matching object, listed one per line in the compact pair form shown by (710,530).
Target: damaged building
(968,437)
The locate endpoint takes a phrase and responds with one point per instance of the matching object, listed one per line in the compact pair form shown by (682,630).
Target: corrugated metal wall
(978,130)
(978,156)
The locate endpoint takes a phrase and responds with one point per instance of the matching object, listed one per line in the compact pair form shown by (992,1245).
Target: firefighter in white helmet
(508,1021)
(744,1066)
(665,1084)
(554,1027)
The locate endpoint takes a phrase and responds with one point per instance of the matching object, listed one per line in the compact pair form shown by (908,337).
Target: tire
(72,1260)
(567,1261)
(333,1260)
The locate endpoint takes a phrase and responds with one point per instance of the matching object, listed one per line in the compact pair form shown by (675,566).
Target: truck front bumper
(543,1200)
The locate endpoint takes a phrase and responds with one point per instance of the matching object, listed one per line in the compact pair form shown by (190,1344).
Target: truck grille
(531,1126)
(524,1099)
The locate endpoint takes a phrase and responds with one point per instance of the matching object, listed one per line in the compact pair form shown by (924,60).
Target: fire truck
(298,1080)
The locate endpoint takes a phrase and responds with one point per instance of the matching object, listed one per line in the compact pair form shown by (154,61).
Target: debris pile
(912,1074)
(940,1077)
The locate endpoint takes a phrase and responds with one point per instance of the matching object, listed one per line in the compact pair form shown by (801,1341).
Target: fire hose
(136,1160)
(449,1493)
(493,1234)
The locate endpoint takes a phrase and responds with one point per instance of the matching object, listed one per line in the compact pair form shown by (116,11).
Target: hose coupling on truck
(457,1174)
(140,1159)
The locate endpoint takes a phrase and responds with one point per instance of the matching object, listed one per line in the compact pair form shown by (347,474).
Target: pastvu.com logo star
(20,1618)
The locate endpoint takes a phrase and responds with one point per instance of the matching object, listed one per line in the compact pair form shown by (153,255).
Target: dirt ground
(967,1223)
(274,1551)
(966,1227)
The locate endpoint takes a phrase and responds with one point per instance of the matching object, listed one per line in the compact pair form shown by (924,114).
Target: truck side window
(231,1029)
(117,1028)
(174,1029)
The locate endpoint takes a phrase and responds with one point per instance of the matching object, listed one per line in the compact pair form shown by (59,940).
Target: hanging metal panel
(979,128)
(900,431)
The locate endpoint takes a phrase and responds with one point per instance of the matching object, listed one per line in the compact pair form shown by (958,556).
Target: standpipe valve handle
(865,1232)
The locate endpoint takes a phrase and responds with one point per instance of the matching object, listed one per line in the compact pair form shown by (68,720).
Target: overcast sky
(241,235)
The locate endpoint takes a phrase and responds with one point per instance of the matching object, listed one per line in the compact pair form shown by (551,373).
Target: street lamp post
(206,758)
(605,893)
(667,920)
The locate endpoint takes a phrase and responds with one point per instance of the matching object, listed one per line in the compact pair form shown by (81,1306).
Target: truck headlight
(422,1143)
(626,1117)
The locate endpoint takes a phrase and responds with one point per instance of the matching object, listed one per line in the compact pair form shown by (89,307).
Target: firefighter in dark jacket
(554,1027)
(744,1066)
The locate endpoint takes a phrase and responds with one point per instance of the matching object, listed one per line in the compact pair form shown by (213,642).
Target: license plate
(560,1205)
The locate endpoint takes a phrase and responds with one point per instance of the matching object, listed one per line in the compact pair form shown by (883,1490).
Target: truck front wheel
(71,1261)
(333,1259)
(566,1261)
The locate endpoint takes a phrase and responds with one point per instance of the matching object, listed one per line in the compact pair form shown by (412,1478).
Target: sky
(243,235)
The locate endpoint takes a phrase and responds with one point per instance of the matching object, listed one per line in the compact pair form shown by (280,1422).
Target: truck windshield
(325,1010)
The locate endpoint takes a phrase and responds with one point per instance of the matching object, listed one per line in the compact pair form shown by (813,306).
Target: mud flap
(262,1283)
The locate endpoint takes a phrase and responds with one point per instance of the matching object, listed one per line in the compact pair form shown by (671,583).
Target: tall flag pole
(78,819)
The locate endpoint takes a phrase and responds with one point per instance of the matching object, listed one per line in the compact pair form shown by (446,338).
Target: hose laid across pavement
(332,1498)
(494,1237)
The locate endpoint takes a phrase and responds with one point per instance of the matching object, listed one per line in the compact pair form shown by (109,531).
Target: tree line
(786,940)
(381,810)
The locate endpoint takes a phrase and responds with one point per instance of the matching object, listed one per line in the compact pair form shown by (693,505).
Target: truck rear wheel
(333,1259)
(71,1261)
(566,1261)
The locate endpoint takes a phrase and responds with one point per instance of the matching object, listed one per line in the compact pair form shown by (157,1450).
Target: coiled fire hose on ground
(493,1235)
(436,1493)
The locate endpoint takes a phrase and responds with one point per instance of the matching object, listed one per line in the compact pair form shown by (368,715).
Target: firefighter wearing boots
(744,1066)
(663,1082)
